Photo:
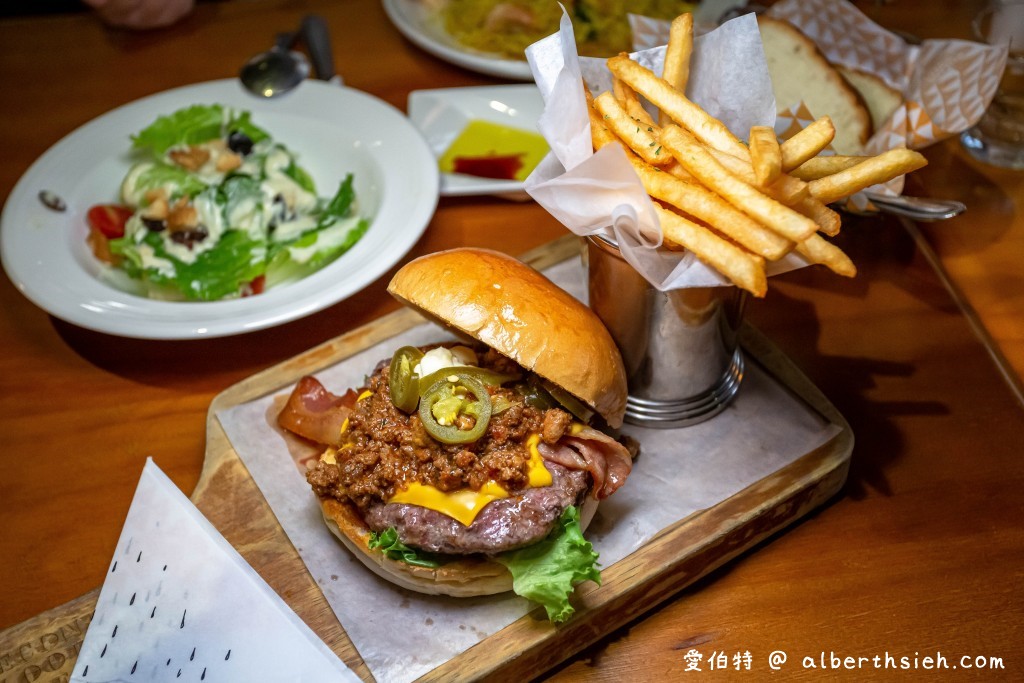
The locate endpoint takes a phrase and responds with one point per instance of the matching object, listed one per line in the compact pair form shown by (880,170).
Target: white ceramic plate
(334,130)
(441,114)
(421,26)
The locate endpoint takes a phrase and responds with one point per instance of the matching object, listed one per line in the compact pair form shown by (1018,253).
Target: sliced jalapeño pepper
(488,377)
(569,402)
(535,396)
(456,394)
(402,381)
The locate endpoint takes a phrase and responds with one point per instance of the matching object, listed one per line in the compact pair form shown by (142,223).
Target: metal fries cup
(683,362)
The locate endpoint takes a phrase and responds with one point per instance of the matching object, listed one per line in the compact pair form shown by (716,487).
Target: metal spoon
(275,72)
(918,208)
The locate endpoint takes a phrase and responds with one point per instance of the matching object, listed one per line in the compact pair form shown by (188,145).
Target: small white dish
(333,129)
(421,25)
(441,114)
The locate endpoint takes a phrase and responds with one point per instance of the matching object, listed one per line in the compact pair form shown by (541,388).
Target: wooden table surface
(921,555)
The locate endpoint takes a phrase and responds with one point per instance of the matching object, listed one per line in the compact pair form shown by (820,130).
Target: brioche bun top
(518,312)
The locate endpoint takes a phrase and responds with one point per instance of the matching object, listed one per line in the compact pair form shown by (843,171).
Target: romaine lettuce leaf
(313,250)
(193,125)
(340,205)
(337,229)
(301,176)
(217,273)
(176,180)
(546,572)
(387,542)
(242,200)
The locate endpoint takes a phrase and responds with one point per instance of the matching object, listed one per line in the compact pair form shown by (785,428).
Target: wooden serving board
(48,644)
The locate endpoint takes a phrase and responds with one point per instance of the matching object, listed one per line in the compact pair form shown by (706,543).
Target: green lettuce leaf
(193,125)
(388,543)
(241,190)
(547,572)
(340,205)
(336,231)
(301,176)
(312,251)
(241,121)
(176,180)
(217,273)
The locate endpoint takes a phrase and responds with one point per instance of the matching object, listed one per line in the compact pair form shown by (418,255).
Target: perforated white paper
(180,604)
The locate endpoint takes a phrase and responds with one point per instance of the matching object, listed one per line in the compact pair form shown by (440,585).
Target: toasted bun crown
(518,312)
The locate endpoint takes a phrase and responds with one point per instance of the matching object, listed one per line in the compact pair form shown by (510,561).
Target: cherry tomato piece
(109,219)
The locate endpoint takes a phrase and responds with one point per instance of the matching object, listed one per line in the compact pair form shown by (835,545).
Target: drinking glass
(998,138)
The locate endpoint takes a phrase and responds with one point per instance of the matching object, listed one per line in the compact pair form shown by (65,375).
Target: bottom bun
(465,577)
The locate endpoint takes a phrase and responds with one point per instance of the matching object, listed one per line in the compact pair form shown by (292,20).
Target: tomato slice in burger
(456,408)
(402,381)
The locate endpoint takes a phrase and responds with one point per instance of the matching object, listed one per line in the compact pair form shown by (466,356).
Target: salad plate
(421,24)
(442,114)
(333,130)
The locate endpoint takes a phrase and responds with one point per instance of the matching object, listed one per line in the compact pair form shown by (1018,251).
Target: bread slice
(800,73)
(880,99)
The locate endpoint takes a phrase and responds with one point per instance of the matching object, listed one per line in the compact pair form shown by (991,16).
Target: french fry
(742,268)
(706,206)
(735,206)
(807,143)
(819,167)
(771,213)
(601,136)
(874,170)
(818,250)
(828,220)
(785,189)
(599,133)
(706,128)
(636,135)
(765,155)
(676,69)
(636,110)
(696,200)
(630,101)
(621,91)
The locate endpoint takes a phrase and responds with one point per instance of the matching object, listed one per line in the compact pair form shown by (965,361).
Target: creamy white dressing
(151,260)
(295,198)
(326,238)
(276,161)
(293,228)
(135,197)
(250,216)
(133,227)
(442,357)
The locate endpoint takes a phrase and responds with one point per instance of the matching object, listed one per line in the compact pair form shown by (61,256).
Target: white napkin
(179,604)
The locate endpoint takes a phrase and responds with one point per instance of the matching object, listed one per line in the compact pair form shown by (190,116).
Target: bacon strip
(607,460)
(315,413)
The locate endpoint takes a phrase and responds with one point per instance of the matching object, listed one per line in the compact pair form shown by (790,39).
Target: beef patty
(504,524)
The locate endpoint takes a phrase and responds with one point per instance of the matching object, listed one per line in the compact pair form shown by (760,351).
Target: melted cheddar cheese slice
(465,504)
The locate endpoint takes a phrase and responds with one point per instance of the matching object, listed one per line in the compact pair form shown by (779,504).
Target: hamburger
(473,466)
